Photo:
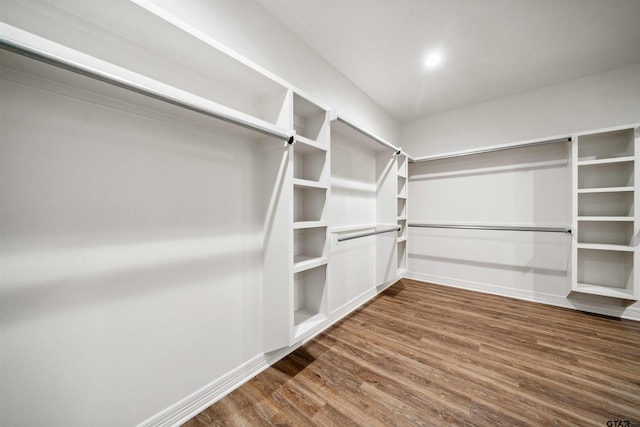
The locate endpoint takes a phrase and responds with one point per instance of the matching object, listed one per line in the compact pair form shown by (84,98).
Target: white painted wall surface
(603,100)
(131,259)
(523,186)
(249,29)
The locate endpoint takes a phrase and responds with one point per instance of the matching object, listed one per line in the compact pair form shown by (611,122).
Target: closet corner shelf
(607,160)
(606,218)
(605,291)
(605,247)
(604,190)
(402,239)
(306,142)
(298,225)
(305,183)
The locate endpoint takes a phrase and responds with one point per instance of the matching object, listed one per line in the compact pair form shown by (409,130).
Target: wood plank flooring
(422,354)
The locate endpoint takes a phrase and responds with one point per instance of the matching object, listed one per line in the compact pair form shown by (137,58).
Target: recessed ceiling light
(433,60)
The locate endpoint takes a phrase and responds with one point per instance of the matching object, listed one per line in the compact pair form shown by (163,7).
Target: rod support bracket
(290,140)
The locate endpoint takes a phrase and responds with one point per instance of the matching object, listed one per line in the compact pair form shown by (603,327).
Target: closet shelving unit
(605,255)
(181,75)
(365,205)
(311,167)
(402,197)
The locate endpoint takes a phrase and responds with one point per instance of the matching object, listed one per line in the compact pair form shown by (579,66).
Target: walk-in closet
(279,212)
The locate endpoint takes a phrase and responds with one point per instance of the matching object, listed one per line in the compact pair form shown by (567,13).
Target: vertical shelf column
(311,171)
(605,254)
(402,201)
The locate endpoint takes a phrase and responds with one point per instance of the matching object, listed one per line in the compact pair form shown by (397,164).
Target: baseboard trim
(630,313)
(196,402)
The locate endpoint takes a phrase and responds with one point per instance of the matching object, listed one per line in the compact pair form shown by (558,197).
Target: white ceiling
(492,48)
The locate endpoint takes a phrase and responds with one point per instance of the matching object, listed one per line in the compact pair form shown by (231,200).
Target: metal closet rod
(370,135)
(496,227)
(42,56)
(489,150)
(370,233)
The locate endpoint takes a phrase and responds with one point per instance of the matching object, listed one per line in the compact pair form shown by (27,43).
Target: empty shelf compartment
(611,269)
(606,175)
(606,145)
(606,232)
(606,204)
(310,163)
(309,297)
(309,203)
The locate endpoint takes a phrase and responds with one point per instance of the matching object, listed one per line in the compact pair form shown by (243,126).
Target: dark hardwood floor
(422,354)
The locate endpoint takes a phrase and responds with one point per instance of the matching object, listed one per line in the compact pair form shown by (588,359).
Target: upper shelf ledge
(29,45)
(339,117)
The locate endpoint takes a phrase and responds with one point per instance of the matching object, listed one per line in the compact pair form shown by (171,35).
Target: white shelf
(298,225)
(609,160)
(304,262)
(402,196)
(305,183)
(104,71)
(603,291)
(605,247)
(605,218)
(604,190)
(306,143)
(305,321)
(402,239)
(402,175)
(402,218)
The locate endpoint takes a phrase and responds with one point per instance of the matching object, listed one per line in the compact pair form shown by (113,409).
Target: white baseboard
(196,402)
(555,300)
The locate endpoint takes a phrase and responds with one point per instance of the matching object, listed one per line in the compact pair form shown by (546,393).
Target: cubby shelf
(305,183)
(606,218)
(305,321)
(604,291)
(309,143)
(604,190)
(606,160)
(402,239)
(309,224)
(305,262)
(605,247)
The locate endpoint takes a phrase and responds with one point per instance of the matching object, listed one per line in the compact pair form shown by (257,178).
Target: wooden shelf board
(604,190)
(605,161)
(605,247)
(305,262)
(601,290)
(305,183)
(298,225)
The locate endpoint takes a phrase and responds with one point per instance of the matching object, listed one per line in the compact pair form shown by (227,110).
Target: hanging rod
(489,150)
(379,140)
(33,52)
(496,227)
(370,233)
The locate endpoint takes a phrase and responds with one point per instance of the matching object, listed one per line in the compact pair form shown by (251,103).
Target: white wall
(524,186)
(603,100)
(131,259)
(249,29)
